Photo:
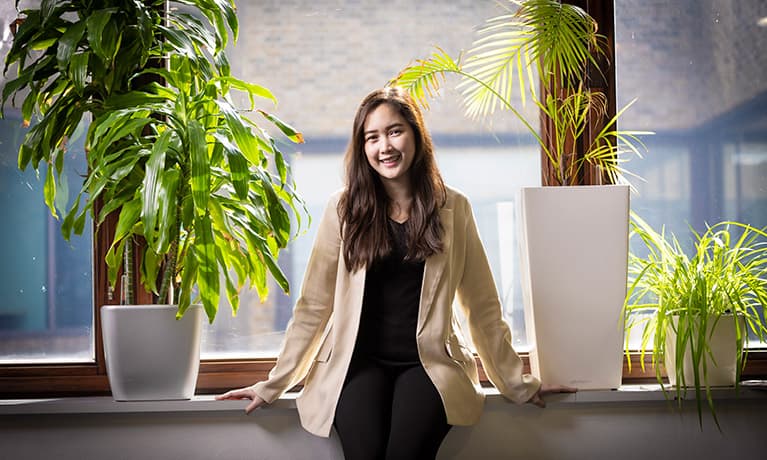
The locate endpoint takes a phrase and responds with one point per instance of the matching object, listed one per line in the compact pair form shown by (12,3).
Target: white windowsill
(207,403)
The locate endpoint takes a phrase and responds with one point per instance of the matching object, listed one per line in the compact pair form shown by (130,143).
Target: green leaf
(96,27)
(69,218)
(250,88)
(238,166)
(43,44)
(167,204)
(286,129)
(78,71)
(155,167)
(68,44)
(49,190)
(129,216)
(150,268)
(207,274)
(241,133)
(198,151)
(188,277)
(114,261)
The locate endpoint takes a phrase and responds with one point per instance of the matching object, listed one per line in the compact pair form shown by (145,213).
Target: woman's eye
(395,132)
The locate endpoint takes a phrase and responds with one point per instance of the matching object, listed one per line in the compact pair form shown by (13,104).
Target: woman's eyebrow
(393,125)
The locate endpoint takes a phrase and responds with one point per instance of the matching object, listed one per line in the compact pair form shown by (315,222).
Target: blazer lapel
(434,267)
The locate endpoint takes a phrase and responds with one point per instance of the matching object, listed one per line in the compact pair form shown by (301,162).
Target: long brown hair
(363,207)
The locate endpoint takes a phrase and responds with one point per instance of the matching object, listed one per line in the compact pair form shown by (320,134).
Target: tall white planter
(720,365)
(150,355)
(574,251)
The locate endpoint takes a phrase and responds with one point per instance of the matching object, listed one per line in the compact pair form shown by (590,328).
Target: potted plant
(695,312)
(202,193)
(574,238)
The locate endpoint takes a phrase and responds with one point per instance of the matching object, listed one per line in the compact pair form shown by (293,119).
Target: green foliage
(556,41)
(205,187)
(670,291)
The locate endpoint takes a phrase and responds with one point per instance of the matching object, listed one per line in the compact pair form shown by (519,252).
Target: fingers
(537,400)
(240,393)
(255,404)
(233,394)
(243,393)
(548,389)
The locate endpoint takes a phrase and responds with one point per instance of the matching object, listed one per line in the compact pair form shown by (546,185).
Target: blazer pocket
(455,350)
(326,349)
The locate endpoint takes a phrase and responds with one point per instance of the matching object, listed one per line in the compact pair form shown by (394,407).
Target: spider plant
(677,299)
(557,42)
(204,188)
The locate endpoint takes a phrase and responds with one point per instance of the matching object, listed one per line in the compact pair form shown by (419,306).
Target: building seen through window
(696,67)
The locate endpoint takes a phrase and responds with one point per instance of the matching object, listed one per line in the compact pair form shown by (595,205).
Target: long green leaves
(555,42)
(670,291)
(204,186)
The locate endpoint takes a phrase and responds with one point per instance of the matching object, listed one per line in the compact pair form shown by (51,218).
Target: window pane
(320,58)
(697,69)
(46,313)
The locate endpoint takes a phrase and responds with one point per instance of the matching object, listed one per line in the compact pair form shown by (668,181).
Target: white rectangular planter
(574,249)
(150,355)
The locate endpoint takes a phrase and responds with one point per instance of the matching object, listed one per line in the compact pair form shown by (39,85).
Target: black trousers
(389,411)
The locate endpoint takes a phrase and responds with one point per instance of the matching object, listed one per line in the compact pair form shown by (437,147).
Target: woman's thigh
(363,412)
(418,420)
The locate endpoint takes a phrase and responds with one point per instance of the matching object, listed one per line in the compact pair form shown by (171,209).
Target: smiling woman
(390,148)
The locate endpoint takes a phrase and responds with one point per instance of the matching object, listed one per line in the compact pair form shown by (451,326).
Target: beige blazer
(320,337)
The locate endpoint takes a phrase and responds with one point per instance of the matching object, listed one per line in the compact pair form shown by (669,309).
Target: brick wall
(320,58)
(706,58)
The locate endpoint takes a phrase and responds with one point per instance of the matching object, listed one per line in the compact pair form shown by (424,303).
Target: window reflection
(698,70)
(46,311)
(320,58)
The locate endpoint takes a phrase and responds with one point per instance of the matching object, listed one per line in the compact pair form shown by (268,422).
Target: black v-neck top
(390,304)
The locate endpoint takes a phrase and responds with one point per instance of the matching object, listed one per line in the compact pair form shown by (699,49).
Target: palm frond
(557,41)
(424,77)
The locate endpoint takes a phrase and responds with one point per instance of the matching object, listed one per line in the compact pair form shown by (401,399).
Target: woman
(373,331)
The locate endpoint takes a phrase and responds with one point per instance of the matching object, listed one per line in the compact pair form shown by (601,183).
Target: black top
(390,304)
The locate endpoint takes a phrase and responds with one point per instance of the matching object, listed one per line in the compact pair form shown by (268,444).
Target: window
(46,314)
(703,93)
(697,70)
(320,58)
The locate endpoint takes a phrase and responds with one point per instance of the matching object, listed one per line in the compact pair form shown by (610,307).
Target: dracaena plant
(676,296)
(204,188)
(557,42)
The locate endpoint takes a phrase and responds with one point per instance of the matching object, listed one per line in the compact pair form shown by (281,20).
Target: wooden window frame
(43,380)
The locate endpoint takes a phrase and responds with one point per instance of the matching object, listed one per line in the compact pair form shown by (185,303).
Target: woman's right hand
(243,393)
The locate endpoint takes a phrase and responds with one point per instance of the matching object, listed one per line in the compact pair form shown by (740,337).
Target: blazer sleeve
(312,310)
(478,296)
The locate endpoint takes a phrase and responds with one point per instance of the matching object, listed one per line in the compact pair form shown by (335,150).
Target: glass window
(320,58)
(46,313)
(46,283)
(697,69)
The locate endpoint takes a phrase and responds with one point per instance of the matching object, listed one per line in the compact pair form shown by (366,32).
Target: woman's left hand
(547,389)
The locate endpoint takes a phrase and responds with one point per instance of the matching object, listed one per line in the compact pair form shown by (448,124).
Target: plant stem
(129,288)
(168,274)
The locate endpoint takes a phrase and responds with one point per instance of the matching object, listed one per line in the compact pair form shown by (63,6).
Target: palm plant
(204,189)
(559,43)
(676,300)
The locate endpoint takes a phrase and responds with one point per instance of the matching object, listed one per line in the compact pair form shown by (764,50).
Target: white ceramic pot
(150,355)
(574,250)
(720,365)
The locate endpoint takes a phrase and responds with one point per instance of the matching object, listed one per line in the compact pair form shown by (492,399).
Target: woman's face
(389,144)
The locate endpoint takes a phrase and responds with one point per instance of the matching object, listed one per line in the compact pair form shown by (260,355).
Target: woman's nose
(384,145)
